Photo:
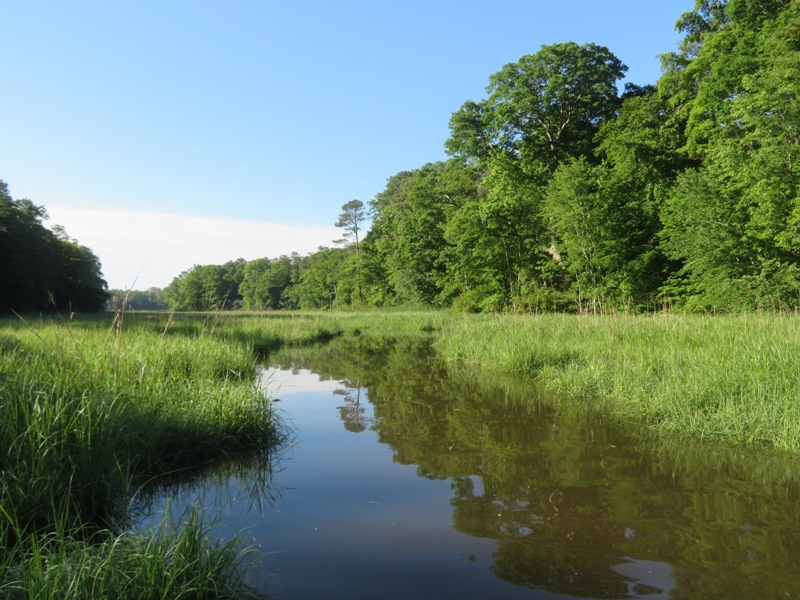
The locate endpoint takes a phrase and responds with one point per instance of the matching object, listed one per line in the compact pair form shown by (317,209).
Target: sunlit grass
(722,377)
(94,409)
(267,331)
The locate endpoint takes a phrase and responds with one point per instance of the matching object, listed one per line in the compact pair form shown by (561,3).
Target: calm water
(405,481)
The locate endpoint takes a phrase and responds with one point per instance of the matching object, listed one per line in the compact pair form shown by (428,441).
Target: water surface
(403,480)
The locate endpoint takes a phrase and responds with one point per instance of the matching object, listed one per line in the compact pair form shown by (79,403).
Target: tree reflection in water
(574,505)
(353,413)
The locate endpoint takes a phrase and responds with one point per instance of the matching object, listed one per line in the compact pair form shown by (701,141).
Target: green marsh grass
(724,377)
(263,332)
(171,561)
(95,409)
(92,411)
(307,327)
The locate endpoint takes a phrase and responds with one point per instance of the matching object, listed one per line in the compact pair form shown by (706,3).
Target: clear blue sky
(274,113)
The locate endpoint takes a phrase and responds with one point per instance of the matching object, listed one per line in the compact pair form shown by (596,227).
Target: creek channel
(403,479)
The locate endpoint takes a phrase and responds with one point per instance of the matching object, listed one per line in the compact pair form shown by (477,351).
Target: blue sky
(164,133)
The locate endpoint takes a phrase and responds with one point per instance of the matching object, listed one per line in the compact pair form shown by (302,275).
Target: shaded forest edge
(43,269)
(563,193)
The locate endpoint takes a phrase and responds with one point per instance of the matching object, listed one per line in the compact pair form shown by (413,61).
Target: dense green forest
(43,269)
(563,193)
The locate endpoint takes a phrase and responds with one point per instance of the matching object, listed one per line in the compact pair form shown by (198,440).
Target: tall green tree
(605,218)
(321,283)
(207,287)
(543,108)
(541,111)
(352,216)
(79,283)
(253,296)
(732,222)
(409,221)
(266,283)
(495,238)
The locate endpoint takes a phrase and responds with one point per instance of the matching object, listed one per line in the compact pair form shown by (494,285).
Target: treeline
(318,281)
(149,299)
(40,269)
(563,194)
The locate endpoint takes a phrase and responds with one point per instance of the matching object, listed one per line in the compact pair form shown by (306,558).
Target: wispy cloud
(146,249)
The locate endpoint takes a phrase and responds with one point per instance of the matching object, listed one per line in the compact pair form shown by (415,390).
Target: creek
(403,479)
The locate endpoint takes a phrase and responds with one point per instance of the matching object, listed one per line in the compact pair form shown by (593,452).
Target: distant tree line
(149,299)
(43,269)
(563,194)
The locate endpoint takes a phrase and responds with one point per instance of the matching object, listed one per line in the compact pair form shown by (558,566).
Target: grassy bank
(730,378)
(725,377)
(174,560)
(94,410)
